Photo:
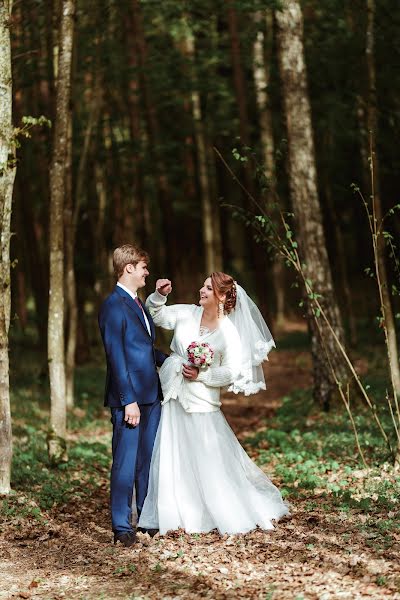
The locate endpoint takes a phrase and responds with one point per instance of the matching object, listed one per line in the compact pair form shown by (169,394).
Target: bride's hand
(164,286)
(190,372)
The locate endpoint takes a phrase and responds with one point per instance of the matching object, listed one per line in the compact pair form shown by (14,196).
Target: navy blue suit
(131,377)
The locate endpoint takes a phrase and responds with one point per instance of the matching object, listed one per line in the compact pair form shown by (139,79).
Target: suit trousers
(132,448)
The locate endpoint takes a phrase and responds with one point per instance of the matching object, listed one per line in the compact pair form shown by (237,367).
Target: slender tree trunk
(342,265)
(304,194)
(259,259)
(142,234)
(31,217)
(36,267)
(262,56)
(261,73)
(238,79)
(101,278)
(70,314)
(164,193)
(71,224)
(56,352)
(213,255)
(22,311)
(7,167)
(372,115)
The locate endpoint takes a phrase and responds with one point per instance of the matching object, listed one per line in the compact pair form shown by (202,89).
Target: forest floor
(342,540)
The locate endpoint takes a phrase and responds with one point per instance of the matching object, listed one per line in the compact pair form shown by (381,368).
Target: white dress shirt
(133,296)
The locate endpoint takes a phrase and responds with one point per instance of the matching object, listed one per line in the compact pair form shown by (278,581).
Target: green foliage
(315,454)
(45,486)
(55,485)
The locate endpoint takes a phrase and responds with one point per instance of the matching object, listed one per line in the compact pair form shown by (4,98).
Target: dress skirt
(201,478)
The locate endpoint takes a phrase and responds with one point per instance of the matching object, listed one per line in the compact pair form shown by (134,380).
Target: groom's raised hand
(132,414)
(164,286)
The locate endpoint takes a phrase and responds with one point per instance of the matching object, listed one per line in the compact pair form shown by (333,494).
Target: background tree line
(151,89)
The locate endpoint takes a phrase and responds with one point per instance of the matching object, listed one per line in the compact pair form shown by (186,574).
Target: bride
(200,476)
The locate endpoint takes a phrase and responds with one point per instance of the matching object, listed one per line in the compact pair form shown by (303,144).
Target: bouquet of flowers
(200,355)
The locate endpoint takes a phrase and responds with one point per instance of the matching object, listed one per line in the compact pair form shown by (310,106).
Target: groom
(133,390)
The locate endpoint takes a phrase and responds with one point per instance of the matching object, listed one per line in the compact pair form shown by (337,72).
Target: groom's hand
(132,414)
(164,286)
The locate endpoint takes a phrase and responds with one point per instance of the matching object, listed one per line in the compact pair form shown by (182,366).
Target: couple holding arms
(171,441)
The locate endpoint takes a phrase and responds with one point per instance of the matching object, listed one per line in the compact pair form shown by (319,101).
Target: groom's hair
(128,254)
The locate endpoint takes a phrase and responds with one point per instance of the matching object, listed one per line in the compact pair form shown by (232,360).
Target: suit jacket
(131,356)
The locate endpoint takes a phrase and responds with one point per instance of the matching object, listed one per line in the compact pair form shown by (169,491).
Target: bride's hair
(224,284)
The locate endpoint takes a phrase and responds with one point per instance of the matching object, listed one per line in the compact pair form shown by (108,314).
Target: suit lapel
(129,301)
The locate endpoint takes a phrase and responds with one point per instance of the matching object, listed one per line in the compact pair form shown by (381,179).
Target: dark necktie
(141,308)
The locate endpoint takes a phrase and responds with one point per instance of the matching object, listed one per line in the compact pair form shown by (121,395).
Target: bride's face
(207,296)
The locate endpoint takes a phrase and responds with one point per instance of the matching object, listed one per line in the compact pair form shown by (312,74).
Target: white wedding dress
(200,477)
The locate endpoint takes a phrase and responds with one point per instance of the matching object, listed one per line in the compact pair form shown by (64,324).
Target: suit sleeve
(160,357)
(112,326)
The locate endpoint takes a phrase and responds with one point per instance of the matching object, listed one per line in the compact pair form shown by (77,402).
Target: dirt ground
(312,555)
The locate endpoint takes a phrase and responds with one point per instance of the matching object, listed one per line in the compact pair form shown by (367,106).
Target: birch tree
(305,200)
(7,176)
(55,339)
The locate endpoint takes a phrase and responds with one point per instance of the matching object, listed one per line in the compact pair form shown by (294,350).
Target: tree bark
(71,225)
(238,78)
(340,248)
(56,351)
(164,193)
(305,200)
(7,177)
(141,224)
(262,55)
(212,250)
(258,258)
(372,117)
(69,274)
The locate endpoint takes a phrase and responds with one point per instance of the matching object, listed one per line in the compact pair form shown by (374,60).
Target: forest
(255,137)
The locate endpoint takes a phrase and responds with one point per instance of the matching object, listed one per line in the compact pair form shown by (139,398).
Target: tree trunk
(7,166)
(142,233)
(261,73)
(258,258)
(102,270)
(212,252)
(56,352)
(238,79)
(71,224)
(70,315)
(342,265)
(164,193)
(262,56)
(304,194)
(372,115)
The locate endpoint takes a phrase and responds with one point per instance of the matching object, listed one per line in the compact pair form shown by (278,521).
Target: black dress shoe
(151,532)
(127,539)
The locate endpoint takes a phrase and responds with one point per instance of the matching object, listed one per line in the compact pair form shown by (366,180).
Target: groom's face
(139,274)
